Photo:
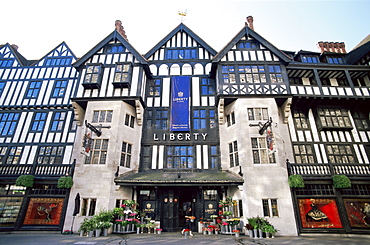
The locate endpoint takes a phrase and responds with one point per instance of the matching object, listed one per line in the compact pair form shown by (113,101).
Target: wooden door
(170,210)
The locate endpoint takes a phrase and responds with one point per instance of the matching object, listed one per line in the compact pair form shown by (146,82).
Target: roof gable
(115,35)
(245,33)
(9,53)
(60,55)
(359,52)
(181,28)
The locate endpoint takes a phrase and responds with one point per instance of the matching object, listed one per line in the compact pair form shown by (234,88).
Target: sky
(38,26)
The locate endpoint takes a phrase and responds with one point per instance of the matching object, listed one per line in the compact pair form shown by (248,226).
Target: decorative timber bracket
(263,127)
(95,129)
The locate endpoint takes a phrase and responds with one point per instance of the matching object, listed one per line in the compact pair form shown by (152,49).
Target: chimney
(335,47)
(14,46)
(120,29)
(249,22)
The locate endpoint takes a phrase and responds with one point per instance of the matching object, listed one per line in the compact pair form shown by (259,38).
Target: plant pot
(237,234)
(260,233)
(255,232)
(209,232)
(186,234)
(137,230)
(250,232)
(90,233)
(267,235)
(97,232)
(82,233)
(159,232)
(105,232)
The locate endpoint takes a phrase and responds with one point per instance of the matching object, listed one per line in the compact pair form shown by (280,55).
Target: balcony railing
(47,170)
(328,169)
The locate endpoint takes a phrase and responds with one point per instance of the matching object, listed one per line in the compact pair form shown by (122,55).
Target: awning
(164,178)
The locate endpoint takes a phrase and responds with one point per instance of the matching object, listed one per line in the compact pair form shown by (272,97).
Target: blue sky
(38,26)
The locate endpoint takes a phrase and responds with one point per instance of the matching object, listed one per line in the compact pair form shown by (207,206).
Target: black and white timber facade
(187,126)
(37,135)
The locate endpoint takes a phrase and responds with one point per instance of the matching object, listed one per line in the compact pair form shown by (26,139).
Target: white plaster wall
(261,181)
(95,180)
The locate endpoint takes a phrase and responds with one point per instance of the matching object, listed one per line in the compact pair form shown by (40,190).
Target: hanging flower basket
(296,180)
(25,180)
(65,182)
(341,181)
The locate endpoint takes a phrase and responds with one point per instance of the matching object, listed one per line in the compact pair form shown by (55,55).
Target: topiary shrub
(65,182)
(296,180)
(25,180)
(341,181)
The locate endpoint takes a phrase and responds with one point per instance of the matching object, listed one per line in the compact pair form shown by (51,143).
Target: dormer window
(122,75)
(93,76)
(309,59)
(335,60)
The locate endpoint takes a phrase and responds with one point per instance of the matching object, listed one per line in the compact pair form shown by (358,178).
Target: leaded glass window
(180,157)
(260,151)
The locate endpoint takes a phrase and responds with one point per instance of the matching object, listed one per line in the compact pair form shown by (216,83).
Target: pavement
(54,238)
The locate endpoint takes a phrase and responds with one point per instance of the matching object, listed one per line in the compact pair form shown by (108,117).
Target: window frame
(98,151)
(33,89)
(59,89)
(58,121)
(129,120)
(233,154)
(8,126)
(122,70)
(92,78)
(51,158)
(328,118)
(175,156)
(255,115)
(262,150)
(270,207)
(10,154)
(39,121)
(126,155)
(340,153)
(102,116)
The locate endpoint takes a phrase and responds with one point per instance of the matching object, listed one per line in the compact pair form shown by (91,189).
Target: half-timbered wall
(180,55)
(108,59)
(251,69)
(36,108)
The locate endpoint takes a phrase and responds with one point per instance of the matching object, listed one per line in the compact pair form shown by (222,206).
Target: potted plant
(159,230)
(269,229)
(341,181)
(186,233)
(25,180)
(65,182)
(236,232)
(105,226)
(90,226)
(249,228)
(84,226)
(253,222)
(296,180)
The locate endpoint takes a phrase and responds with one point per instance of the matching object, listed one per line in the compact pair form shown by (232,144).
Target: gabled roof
(21,60)
(114,35)
(180,28)
(62,43)
(360,51)
(246,31)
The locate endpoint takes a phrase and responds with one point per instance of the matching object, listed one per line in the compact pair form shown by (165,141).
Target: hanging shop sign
(180,104)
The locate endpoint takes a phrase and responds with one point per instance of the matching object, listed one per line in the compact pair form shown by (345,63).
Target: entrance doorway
(176,204)
(186,207)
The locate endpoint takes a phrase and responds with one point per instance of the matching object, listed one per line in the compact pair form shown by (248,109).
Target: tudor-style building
(37,132)
(183,126)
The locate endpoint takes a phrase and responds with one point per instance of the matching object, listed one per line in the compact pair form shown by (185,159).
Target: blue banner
(180,104)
